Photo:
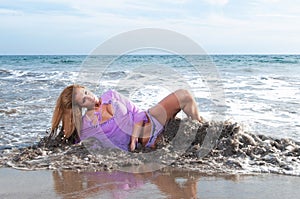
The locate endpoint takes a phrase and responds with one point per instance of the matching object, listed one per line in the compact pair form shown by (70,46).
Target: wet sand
(212,147)
(165,183)
(216,160)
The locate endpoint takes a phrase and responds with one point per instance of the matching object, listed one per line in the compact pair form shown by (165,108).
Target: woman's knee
(184,97)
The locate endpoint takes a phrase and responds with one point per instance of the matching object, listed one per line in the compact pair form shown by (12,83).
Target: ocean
(260,92)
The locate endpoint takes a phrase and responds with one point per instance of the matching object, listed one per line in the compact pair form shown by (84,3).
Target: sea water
(261,92)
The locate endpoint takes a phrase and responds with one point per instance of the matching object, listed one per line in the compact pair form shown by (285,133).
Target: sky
(218,26)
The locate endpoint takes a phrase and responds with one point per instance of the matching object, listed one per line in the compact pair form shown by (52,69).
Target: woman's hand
(133,143)
(90,114)
(137,129)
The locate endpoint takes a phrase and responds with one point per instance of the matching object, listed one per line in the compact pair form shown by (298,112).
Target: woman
(114,120)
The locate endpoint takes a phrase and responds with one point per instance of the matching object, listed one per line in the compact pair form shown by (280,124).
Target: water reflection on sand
(167,182)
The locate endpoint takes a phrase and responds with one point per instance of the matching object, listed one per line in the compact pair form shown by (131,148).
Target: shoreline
(234,150)
(168,182)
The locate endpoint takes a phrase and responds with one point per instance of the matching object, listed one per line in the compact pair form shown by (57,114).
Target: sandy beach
(167,183)
(54,171)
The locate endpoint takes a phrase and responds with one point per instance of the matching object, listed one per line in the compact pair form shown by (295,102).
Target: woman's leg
(167,108)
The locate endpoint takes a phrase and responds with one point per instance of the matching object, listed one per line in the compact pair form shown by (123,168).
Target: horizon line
(149,54)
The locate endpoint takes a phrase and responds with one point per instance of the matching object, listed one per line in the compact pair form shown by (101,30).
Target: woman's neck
(98,104)
(90,112)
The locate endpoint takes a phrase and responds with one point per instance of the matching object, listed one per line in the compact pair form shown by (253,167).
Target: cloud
(217,2)
(221,25)
(270,1)
(10,12)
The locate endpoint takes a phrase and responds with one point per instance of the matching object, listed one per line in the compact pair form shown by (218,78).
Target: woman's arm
(138,114)
(139,118)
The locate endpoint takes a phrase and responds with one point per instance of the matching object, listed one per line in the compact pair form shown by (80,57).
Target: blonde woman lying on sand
(114,120)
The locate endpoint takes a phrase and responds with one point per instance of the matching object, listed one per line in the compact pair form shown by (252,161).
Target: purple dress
(115,132)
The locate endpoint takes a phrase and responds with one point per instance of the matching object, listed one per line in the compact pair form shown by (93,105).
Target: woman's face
(85,98)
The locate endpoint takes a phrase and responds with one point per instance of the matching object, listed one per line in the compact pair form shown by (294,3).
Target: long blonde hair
(67,112)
